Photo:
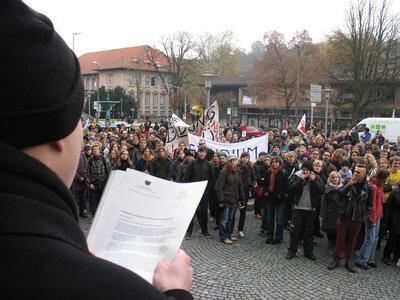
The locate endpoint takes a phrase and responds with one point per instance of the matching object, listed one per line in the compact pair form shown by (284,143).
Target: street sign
(313,104)
(228,110)
(315,93)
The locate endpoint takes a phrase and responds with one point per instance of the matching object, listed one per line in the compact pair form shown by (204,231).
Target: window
(155,100)
(162,101)
(147,101)
(109,80)
(87,84)
(131,80)
(147,80)
(94,84)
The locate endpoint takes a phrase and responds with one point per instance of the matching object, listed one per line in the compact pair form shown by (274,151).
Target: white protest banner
(253,146)
(177,132)
(207,127)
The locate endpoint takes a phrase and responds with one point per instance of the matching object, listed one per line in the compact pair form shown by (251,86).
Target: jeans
(275,220)
(368,248)
(225,223)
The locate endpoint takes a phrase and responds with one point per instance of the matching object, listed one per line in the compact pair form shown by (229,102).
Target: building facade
(131,69)
(248,106)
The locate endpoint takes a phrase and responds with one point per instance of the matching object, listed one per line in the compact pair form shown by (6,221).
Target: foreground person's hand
(174,275)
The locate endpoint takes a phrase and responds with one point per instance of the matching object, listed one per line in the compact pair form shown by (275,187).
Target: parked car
(251,131)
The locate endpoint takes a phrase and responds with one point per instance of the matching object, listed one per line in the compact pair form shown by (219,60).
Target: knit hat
(40,79)
(232,157)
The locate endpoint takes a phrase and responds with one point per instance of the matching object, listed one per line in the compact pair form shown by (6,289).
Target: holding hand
(175,275)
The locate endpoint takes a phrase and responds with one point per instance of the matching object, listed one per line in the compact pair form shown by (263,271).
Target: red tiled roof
(124,58)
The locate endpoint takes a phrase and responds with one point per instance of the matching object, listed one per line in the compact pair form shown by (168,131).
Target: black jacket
(199,170)
(356,201)
(43,252)
(316,189)
(161,168)
(393,213)
(281,186)
(330,209)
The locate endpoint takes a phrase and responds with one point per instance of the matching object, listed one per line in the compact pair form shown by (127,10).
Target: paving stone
(251,269)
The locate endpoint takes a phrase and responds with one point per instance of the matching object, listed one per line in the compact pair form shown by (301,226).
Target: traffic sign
(315,93)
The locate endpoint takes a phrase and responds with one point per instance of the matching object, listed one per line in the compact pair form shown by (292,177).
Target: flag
(302,125)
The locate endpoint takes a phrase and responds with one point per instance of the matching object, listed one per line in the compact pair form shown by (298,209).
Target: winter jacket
(316,189)
(199,170)
(80,179)
(393,214)
(43,253)
(161,168)
(376,209)
(356,201)
(330,209)
(229,188)
(248,174)
(260,169)
(278,196)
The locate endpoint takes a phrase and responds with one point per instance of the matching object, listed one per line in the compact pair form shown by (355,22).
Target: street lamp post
(327,91)
(208,85)
(74,34)
(98,89)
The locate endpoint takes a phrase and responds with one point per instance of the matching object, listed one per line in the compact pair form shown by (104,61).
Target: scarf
(271,186)
(336,186)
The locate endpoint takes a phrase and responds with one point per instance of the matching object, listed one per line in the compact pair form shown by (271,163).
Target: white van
(389,127)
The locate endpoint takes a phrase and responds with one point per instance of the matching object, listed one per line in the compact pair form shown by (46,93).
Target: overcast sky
(124,23)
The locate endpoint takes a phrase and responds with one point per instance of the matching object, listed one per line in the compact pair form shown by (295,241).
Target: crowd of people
(342,187)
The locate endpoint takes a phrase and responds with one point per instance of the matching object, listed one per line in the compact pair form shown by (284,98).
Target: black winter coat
(393,214)
(278,196)
(199,170)
(316,189)
(161,168)
(330,209)
(43,252)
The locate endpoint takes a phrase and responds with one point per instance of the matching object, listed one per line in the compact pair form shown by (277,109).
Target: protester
(330,206)
(161,166)
(260,168)
(230,192)
(44,254)
(80,183)
(307,189)
(249,181)
(97,174)
(198,170)
(366,256)
(356,200)
(275,187)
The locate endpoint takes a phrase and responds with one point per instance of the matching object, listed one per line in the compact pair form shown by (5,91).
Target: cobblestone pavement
(251,269)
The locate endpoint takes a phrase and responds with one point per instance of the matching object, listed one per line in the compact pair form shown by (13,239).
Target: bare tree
(286,67)
(174,58)
(365,54)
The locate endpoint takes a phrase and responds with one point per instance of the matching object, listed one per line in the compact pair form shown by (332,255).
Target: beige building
(131,69)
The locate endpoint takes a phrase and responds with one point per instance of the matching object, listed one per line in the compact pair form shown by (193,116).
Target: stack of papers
(142,220)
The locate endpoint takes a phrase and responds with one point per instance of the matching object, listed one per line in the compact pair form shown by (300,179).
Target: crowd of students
(341,187)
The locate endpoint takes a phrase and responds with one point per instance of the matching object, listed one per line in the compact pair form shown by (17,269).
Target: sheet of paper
(142,220)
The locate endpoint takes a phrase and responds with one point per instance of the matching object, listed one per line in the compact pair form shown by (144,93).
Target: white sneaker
(233,238)
(241,234)
(228,241)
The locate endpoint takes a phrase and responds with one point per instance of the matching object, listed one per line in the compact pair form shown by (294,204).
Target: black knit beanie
(40,81)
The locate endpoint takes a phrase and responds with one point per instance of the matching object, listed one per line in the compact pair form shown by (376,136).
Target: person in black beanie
(43,253)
